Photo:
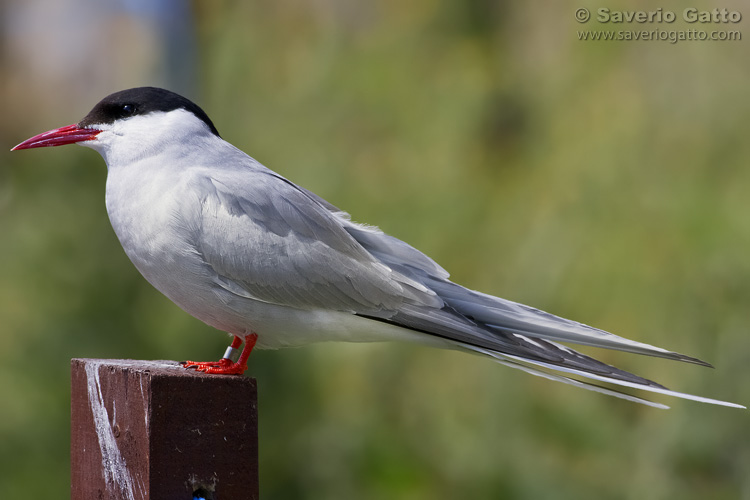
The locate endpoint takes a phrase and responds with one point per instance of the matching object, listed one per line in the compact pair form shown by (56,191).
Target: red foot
(223,367)
(226,366)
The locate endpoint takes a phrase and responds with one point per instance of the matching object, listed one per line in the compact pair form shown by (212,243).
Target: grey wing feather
(278,245)
(494,313)
(513,334)
(502,314)
(385,248)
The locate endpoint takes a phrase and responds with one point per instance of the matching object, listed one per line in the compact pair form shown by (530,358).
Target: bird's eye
(128,109)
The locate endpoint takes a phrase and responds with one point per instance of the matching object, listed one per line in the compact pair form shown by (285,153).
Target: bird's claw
(225,366)
(222,367)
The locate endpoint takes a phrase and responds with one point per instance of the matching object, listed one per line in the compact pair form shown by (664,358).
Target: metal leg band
(231,354)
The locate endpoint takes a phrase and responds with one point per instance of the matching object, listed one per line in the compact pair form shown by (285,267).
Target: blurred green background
(601,181)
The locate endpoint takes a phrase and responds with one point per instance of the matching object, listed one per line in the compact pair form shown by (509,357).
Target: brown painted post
(152,430)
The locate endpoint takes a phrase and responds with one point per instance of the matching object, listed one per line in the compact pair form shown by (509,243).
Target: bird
(253,254)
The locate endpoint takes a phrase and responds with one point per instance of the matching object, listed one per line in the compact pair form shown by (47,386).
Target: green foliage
(601,181)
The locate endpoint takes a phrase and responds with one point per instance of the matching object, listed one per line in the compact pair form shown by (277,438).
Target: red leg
(250,341)
(225,366)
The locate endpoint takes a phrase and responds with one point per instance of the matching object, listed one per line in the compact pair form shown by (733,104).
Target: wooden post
(152,430)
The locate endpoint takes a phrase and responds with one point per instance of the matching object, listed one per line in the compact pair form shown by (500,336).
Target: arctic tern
(251,253)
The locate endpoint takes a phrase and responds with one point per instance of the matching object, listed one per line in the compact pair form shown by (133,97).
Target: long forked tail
(512,334)
(528,339)
(545,370)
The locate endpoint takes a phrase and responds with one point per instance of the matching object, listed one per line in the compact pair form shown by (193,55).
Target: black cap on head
(140,101)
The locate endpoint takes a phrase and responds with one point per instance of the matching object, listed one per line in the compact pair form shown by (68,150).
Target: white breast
(148,209)
(144,210)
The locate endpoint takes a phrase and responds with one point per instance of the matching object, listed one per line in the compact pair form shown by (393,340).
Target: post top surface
(154,367)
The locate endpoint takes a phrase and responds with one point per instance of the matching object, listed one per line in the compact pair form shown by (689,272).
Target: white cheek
(134,139)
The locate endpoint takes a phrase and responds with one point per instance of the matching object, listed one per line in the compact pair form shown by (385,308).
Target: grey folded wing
(268,237)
